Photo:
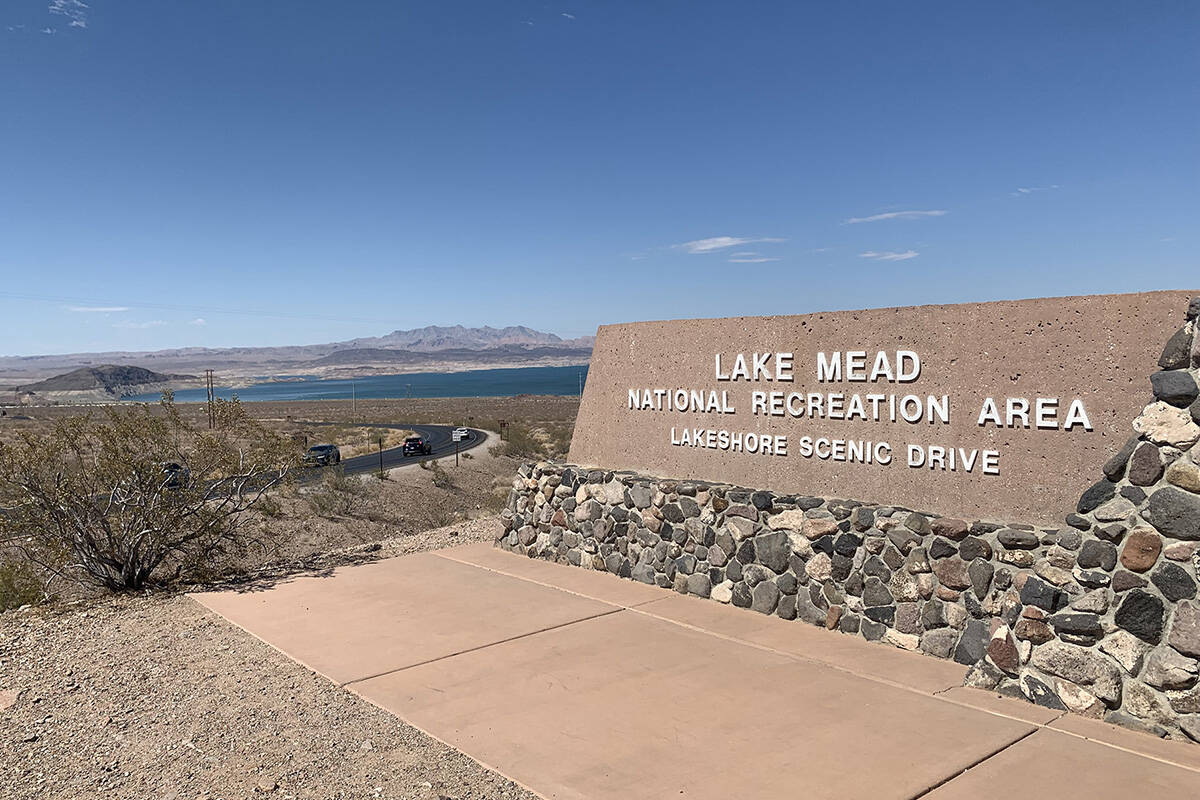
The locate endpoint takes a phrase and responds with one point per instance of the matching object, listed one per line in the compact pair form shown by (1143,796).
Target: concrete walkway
(578,684)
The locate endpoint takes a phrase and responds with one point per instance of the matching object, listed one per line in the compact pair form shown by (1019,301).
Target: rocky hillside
(101,384)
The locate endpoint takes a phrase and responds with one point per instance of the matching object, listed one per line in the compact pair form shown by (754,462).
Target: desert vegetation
(136,497)
(90,506)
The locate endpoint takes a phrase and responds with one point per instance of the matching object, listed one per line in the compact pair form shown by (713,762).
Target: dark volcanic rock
(875,593)
(1175,386)
(1097,494)
(1077,625)
(1114,468)
(1177,351)
(1141,613)
(765,597)
(1174,582)
(973,547)
(1175,513)
(1098,555)
(981,572)
(1037,592)
(1078,522)
(941,548)
(972,645)
(773,550)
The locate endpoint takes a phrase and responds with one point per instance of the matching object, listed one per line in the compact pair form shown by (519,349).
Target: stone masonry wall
(1099,617)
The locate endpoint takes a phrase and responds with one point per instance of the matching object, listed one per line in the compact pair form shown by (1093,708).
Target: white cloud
(937,212)
(49,31)
(720,243)
(750,260)
(198,321)
(888,255)
(129,325)
(74,10)
(1031,189)
(568,16)
(97,309)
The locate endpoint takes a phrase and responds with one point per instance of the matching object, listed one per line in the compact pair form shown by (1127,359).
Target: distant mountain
(434,338)
(433,348)
(106,382)
(491,355)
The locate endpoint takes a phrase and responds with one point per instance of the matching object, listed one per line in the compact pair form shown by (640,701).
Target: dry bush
(100,492)
(441,478)
(520,441)
(338,494)
(20,583)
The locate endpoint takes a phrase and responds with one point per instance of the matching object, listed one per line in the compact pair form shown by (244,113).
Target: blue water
(476,383)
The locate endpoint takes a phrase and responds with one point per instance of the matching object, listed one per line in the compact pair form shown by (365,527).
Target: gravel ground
(154,697)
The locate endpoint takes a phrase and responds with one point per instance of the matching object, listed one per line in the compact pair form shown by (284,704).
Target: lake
(474,383)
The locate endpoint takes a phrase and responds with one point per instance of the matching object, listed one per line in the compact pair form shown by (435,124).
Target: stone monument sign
(1004,406)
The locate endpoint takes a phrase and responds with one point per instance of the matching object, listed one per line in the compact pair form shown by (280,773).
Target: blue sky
(252,173)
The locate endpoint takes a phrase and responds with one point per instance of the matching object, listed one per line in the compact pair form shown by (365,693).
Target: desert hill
(102,383)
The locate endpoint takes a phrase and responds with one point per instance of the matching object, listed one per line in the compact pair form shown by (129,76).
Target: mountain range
(429,349)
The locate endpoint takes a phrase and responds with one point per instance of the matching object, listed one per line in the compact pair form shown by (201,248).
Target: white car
(460,434)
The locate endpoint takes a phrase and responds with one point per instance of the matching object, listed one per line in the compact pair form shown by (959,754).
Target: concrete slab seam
(477,648)
(543,583)
(985,758)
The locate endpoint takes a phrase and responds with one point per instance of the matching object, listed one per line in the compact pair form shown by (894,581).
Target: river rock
(1141,550)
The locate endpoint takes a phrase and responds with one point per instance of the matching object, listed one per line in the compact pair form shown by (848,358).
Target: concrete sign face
(1005,408)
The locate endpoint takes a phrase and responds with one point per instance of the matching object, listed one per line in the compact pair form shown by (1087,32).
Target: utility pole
(212,412)
(380,456)
(456,444)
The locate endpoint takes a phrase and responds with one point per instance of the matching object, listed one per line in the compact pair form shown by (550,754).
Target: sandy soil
(137,697)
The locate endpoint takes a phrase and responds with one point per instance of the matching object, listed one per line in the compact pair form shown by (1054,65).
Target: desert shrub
(133,494)
(268,506)
(519,441)
(20,583)
(441,516)
(337,495)
(441,478)
(496,500)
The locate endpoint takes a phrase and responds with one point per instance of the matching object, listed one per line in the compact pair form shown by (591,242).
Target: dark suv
(321,455)
(417,446)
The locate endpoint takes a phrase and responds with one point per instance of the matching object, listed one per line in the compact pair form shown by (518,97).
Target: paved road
(437,435)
